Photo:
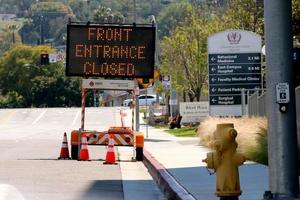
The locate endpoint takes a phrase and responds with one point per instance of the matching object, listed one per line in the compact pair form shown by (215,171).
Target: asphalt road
(30,144)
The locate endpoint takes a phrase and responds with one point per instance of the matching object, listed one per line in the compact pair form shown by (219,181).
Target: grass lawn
(183,132)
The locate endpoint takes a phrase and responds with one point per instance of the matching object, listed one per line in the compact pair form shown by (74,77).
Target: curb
(167,183)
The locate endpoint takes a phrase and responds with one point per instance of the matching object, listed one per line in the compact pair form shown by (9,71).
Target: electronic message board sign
(125,51)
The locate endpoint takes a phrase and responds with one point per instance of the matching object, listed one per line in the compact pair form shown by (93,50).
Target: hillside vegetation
(183,29)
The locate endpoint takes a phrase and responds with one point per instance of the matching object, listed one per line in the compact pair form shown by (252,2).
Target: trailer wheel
(74,152)
(139,153)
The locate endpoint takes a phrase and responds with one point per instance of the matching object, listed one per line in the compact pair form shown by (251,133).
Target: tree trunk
(191,97)
(184,96)
(198,93)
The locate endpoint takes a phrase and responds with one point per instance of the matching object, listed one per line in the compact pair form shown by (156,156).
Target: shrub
(259,152)
(251,138)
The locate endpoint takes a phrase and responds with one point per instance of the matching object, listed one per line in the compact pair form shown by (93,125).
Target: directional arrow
(213,79)
(213,90)
(213,59)
(213,69)
(257,87)
(213,100)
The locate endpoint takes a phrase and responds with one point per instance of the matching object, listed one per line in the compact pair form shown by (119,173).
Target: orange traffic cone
(64,151)
(84,152)
(110,155)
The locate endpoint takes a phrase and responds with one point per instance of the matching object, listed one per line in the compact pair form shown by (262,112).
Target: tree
(141,8)
(296,17)
(46,23)
(105,15)
(184,54)
(18,67)
(146,8)
(172,16)
(15,6)
(83,10)
(24,80)
(56,91)
(9,36)
(245,14)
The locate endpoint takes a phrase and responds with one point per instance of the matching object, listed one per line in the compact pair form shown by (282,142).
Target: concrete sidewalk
(176,165)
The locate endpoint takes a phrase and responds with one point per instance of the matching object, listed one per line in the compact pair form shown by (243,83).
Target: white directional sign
(234,63)
(108,84)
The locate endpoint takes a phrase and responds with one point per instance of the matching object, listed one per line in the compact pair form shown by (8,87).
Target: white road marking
(39,117)
(75,118)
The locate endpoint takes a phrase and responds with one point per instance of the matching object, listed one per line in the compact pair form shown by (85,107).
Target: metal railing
(257,103)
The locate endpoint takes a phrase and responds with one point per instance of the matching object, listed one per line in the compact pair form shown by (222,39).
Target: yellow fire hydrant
(225,161)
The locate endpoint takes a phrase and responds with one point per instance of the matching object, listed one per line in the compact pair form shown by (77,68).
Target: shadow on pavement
(103,190)
(197,181)
(120,190)
(156,140)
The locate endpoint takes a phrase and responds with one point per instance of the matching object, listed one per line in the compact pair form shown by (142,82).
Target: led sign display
(110,51)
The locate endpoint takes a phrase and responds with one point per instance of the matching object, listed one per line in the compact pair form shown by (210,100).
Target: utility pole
(41,29)
(282,132)
(134,11)
(171,98)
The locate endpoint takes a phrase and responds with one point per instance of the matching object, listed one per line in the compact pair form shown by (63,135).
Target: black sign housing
(230,73)
(125,51)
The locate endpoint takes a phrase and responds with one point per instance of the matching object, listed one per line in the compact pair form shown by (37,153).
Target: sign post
(234,62)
